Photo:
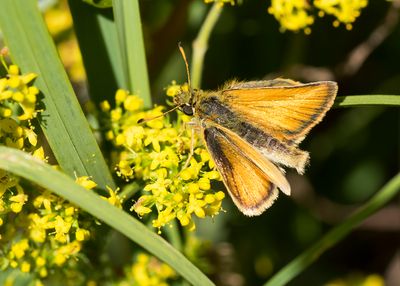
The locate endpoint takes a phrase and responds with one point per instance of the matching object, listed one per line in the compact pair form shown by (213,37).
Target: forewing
(250,178)
(285,109)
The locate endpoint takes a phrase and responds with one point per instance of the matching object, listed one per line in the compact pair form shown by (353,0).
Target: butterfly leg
(191,152)
(194,127)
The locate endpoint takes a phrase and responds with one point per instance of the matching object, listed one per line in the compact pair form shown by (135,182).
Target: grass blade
(305,259)
(62,120)
(28,167)
(129,30)
(367,100)
(98,41)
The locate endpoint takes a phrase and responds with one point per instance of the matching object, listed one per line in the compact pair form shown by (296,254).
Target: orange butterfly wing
(285,109)
(250,178)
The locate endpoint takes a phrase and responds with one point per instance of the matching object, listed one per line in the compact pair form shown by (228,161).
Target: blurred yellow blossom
(295,15)
(59,22)
(345,11)
(148,270)
(358,279)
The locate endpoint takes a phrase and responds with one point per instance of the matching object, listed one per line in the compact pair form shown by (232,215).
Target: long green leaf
(62,120)
(98,41)
(367,100)
(28,167)
(305,259)
(129,30)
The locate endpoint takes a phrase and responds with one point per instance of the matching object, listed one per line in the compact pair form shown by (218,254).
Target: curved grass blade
(296,266)
(129,30)
(62,120)
(30,168)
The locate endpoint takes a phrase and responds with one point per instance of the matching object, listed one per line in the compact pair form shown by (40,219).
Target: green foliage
(57,221)
(63,121)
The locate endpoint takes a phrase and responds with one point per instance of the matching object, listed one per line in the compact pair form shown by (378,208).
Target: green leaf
(309,256)
(30,168)
(98,41)
(367,100)
(129,30)
(62,120)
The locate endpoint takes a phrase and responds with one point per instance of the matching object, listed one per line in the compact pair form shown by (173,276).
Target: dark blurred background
(354,151)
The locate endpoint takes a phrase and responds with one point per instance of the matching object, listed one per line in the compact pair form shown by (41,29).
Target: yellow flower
(345,11)
(120,96)
(25,267)
(173,89)
(15,88)
(86,182)
(38,226)
(105,106)
(61,228)
(19,248)
(149,271)
(82,234)
(374,280)
(133,103)
(18,200)
(64,252)
(40,261)
(113,198)
(293,15)
(58,20)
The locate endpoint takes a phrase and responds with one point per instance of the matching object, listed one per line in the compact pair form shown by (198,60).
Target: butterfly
(252,131)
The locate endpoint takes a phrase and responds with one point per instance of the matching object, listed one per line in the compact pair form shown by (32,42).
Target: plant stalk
(200,44)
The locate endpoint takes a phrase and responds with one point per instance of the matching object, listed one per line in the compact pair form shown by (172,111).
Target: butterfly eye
(187,109)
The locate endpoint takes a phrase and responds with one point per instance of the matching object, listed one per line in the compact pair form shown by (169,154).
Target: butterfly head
(184,101)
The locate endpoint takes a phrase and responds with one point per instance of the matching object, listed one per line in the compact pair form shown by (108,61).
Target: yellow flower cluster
(295,15)
(16,96)
(46,234)
(148,270)
(345,11)
(154,153)
(17,108)
(39,231)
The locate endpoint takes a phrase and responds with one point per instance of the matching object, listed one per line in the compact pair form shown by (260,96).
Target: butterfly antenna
(144,120)
(186,64)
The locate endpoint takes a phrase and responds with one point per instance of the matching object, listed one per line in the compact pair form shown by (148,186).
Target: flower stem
(200,44)
(129,191)
(173,235)
(363,100)
(336,234)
